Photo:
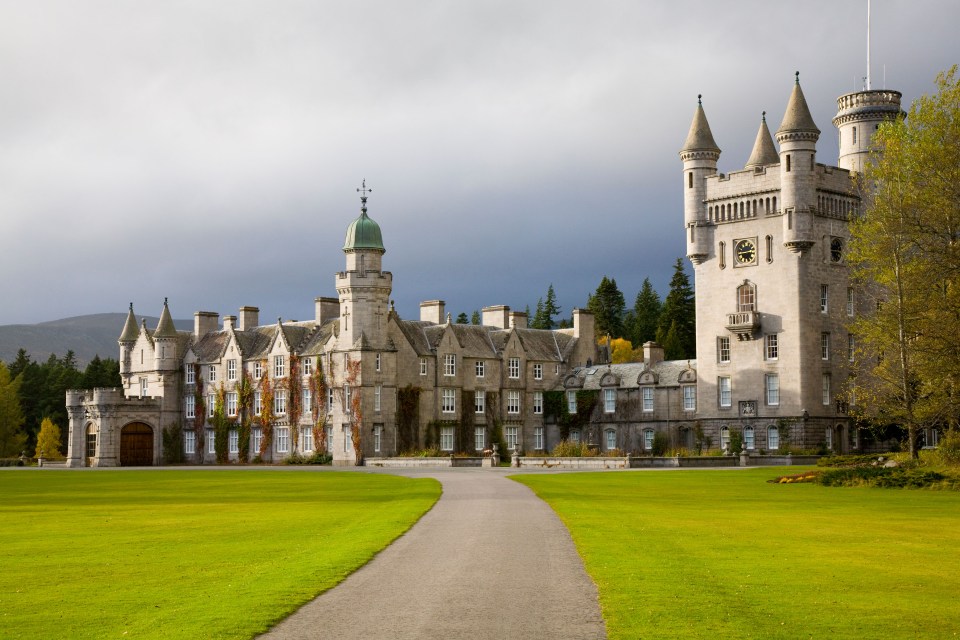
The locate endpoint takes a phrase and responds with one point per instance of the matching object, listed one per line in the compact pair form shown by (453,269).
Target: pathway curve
(490,560)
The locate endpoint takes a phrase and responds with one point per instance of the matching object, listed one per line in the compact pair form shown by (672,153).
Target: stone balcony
(743,324)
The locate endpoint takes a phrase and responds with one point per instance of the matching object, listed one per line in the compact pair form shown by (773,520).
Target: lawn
(186,554)
(724,554)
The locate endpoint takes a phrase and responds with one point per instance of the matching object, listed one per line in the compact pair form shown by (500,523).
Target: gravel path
(490,560)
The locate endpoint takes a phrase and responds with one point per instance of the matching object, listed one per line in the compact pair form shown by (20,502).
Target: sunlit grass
(186,554)
(724,554)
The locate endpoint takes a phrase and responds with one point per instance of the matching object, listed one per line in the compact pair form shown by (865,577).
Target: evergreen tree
(550,308)
(607,305)
(12,438)
(475,318)
(48,440)
(679,315)
(462,318)
(646,314)
(538,321)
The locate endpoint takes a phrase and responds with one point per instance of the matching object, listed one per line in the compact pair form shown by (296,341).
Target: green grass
(186,554)
(723,554)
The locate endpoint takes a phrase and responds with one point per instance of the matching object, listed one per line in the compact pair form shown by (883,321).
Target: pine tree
(475,318)
(607,305)
(538,321)
(550,308)
(679,315)
(48,440)
(646,314)
(12,438)
(462,318)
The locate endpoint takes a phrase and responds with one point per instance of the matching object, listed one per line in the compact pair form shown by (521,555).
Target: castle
(767,244)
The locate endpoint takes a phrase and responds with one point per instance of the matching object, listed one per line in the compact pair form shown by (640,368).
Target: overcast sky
(210,151)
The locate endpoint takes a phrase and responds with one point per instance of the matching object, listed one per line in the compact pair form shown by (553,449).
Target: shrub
(568,449)
(172,436)
(848,461)
(11,462)
(948,450)
(736,441)
(660,444)
(886,477)
(318,457)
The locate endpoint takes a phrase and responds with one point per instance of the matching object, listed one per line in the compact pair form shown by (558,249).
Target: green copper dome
(363,233)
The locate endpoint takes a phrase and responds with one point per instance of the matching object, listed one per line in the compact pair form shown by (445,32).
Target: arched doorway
(136,445)
(90,444)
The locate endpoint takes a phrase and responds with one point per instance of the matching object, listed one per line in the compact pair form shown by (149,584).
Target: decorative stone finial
(700,99)
(763,116)
(797,76)
(164,300)
(131,306)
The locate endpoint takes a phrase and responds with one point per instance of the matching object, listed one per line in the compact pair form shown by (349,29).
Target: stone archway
(136,445)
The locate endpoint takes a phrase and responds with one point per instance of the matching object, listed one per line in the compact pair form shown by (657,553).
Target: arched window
(648,439)
(724,438)
(773,438)
(748,440)
(746,297)
(722,254)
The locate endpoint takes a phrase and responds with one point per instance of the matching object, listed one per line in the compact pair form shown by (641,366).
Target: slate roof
(797,117)
(313,344)
(255,342)
(210,346)
(130,331)
(667,371)
(700,138)
(764,152)
(539,344)
(475,340)
(413,331)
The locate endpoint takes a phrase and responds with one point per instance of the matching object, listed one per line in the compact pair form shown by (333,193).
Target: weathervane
(363,191)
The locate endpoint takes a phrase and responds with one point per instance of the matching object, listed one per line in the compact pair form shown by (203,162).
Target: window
(190,407)
(771,343)
(347,439)
(824,298)
(746,298)
(306,437)
(479,438)
(828,436)
(646,394)
(280,402)
(689,398)
(257,403)
(257,370)
(283,439)
(513,369)
(825,346)
(211,405)
(377,392)
(329,399)
(769,249)
(722,255)
(256,439)
(479,368)
(723,385)
(854,135)
(648,439)
(234,441)
(328,432)
(513,402)
(772,384)
(723,349)
(511,434)
(538,372)
(850,301)
(377,438)
(346,399)
(854,438)
(825,387)
(450,364)
(773,437)
(611,439)
(690,180)
(538,402)
(575,436)
(851,347)
(143,387)
(189,443)
(479,401)
(788,162)
(423,366)
(279,367)
(609,400)
(378,361)
(725,438)
(232,403)
(572,402)
(748,438)
(211,445)
(231,369)
(188,374)
(836,250)
(91,444)
(307,401)
(449,401)
(308,366)
(212,373)
(538,438)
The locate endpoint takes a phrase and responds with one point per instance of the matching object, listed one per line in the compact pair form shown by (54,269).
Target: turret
(859,115)
(764,152)
(798,137)
(165,342)
(128,337)
(699,155)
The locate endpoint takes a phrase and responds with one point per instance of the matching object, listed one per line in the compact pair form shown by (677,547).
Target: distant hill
(88,336)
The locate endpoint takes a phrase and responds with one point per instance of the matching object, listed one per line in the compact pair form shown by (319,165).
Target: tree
(905,253)
(621,350)
(462,318)
(550,308)
(646,314)
(538,321)
(48,440)
(678,315)
(12,438)
(607,305)
(475,318)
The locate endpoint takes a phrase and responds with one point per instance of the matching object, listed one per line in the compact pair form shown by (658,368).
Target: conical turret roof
(700,137)
(165,328)
(130,330)
(797,117)
(764,152)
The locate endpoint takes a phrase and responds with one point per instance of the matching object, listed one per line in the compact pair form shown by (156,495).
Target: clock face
(745,251)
